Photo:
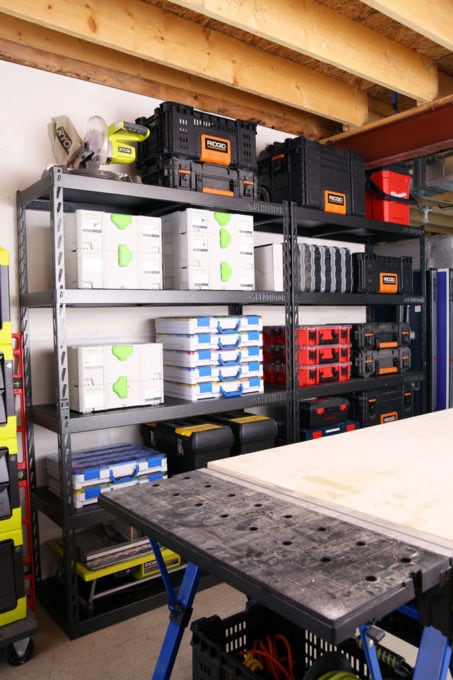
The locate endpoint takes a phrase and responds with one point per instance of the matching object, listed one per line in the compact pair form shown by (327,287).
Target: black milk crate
(385,405)
(179,130)
(382,274)
(217,645)
(372,362)
(313,175)
(380,335)
(181,173)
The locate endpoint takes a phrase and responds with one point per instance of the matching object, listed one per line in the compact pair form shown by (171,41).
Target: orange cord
(277,666)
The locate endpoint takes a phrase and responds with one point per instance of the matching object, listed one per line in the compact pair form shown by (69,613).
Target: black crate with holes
(220,648)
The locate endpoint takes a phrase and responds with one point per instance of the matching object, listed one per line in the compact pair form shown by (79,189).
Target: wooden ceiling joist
(320,33)
(30,45)
(433,19)
(149,33)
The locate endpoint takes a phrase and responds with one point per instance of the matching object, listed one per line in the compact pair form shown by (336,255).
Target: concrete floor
(128,650)
(125,651)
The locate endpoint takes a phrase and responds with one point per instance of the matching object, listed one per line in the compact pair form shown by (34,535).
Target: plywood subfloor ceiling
(324,68)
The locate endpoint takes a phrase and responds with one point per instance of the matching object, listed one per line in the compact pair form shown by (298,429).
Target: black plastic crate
(179,130)
(217,646)
(313,175)
(382,274)
(385,405)
(181,173)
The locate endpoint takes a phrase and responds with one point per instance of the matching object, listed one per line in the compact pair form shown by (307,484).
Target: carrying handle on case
(127,478)
(229,395)
(230,377)
(232,345)
(333,378)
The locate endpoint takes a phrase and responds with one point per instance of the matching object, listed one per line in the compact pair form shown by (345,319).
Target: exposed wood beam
(325,35)
(145,31)
(431,18)
(418,132)
(30,45)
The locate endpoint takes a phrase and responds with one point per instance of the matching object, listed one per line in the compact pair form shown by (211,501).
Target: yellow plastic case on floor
(13,602)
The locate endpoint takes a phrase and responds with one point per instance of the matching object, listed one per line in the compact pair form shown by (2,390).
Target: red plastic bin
(392,183)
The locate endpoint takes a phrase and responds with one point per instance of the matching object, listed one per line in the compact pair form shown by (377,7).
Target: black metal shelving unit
(58,192)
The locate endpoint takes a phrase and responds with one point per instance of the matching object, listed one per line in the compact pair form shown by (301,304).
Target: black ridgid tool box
(184,132)
(380,335)
(384,405)
(323,411)
(208,178)
(313,175)
(251,432)
(370,362)
(189,443)
(382,274)
(197,151)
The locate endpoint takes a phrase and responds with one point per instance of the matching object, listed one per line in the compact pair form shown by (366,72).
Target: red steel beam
(419,132)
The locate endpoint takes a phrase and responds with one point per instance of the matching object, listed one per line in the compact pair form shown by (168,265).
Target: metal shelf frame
(59,191)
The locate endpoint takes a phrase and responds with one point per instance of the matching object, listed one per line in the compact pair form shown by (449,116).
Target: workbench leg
(180,607)
(434,656)
(369,649)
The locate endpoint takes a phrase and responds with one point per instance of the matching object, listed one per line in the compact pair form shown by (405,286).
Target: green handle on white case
(225,271)
(222,218)
(224,237)
(124,255)
(121,221)
(122,352)
(120,387)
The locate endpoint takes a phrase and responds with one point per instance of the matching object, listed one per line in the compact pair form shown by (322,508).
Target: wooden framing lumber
(35,46)
(431,18)
(323,34)
(151,34)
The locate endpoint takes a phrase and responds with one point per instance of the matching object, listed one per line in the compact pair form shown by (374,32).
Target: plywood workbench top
(399,473)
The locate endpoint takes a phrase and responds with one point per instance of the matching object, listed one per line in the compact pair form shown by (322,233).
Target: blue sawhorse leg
(180,607)
(434,656)
(369,649)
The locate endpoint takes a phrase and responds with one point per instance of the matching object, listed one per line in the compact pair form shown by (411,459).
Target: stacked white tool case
(106,468)
(208,250)
(112,250)
(198,151)
(103,377)
(380,348)
(323,354)
(208,357)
